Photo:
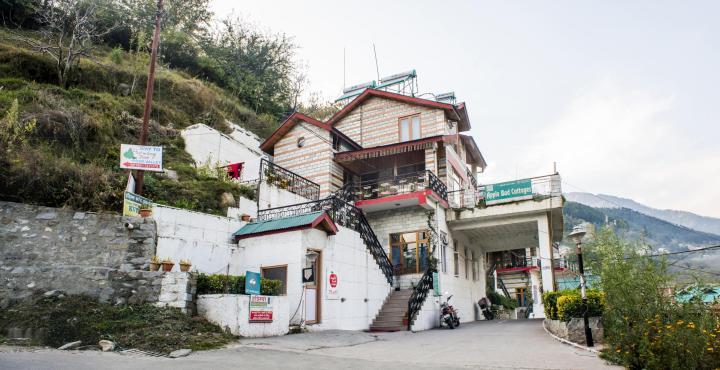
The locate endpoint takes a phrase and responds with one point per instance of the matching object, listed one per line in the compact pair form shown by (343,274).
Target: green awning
(317,219)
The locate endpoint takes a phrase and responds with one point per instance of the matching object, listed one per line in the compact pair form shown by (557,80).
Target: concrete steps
(393,312)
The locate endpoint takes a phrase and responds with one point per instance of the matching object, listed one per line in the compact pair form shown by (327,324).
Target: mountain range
(688,219)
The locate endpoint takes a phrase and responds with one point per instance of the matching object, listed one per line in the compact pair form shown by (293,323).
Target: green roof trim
(308,220)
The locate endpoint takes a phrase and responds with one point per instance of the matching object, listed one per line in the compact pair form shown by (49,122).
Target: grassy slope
(71,158)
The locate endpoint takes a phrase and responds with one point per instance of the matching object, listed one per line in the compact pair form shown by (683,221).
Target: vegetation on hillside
(144,327)
(636,225)
(68,129)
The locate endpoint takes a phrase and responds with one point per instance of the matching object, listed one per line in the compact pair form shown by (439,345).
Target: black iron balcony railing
(343,214)
(519,262)
(401,184)
(285,179)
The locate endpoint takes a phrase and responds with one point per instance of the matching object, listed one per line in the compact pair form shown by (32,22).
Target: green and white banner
(506,192)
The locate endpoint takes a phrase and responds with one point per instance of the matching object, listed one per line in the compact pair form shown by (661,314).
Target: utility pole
(577,236)
(140,174)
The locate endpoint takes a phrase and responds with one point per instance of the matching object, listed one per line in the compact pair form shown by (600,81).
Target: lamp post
(576,236)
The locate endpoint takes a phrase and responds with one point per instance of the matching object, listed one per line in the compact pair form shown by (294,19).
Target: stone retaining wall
(97,254)
(574,330)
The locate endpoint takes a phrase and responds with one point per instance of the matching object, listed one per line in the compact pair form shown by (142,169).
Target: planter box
(232,312)
(574,330)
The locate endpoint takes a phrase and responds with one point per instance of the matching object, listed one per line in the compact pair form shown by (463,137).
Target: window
(408,251)
(409,128)
(474,262)
(456,258)
(276,273)
(467,263)
(335,142)
(443,250)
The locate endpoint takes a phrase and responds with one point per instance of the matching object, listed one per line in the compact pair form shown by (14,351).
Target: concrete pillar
(545,253)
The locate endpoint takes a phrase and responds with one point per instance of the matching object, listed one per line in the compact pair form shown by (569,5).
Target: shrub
(232,284)
(644,327)
(501,300)
(569,304)
(549,300)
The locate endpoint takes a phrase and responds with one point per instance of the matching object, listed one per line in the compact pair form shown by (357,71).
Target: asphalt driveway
(513,344)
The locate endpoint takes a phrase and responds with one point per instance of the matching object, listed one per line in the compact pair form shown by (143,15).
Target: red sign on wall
(260,316)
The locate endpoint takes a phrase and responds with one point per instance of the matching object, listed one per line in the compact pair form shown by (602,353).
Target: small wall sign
(260,309)
(252,282)
(308,275)
(332,284)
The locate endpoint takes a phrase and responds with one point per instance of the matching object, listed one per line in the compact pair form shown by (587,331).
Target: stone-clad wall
(43,249)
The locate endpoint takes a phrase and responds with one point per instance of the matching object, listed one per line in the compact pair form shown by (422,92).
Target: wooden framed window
(276,273)
(409,128)
(409,251)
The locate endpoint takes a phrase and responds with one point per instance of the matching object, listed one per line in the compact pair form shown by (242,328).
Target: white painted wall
(205,144)
(231,311)
(245,206)
(362,286)
(429,315)
(206,240)
(271,196)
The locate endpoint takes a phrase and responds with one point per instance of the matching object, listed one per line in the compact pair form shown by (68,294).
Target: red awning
(390,149)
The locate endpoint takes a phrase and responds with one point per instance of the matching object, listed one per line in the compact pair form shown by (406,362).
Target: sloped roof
(287,125)
(318,219)
(456,112)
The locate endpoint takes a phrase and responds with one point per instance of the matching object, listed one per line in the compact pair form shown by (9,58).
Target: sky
(622,95)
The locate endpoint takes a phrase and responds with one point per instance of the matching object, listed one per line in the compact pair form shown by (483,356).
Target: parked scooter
(485,305)
(448,315)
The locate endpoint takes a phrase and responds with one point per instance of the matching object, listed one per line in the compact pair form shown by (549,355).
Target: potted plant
(167,264)
(185,265)
(155,263)
(145,210)
(245,217)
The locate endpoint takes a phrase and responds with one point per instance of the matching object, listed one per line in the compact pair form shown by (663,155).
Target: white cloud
(620,140)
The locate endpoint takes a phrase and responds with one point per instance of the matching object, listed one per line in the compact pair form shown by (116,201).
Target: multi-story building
(398,176)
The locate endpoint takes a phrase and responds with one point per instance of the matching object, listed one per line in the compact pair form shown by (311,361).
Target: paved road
(488,345)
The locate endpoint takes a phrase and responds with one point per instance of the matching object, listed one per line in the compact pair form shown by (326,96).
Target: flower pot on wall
(167,266)
(145,212)
(154,266)
(185,267)
(245,218)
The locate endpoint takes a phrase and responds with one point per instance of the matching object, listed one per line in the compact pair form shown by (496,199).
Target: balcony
(399,191)
(517,264)
(534,188)
(285,179)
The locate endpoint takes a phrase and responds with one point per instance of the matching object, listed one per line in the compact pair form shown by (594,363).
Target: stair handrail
(419,294)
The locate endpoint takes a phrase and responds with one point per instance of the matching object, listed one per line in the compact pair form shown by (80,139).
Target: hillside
(69,154)
(682,218)
(635,225)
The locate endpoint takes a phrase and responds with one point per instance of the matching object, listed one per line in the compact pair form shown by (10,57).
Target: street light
(576,236)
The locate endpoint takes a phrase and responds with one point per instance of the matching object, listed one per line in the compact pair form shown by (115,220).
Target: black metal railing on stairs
(500,282)
(343,214)
(418,296)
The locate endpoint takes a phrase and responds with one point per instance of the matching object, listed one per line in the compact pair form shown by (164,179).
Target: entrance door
(313,292)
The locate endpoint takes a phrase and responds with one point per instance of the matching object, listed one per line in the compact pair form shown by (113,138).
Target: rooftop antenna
(377,68)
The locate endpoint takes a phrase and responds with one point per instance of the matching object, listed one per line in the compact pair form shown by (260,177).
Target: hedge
(230,284)
(501,300)
(567,304)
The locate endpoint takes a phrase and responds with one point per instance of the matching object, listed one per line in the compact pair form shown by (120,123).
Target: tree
(66,35)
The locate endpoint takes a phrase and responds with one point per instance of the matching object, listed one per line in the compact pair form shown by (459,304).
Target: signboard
(252,282)
(141,157)
(511,191)
(332,284)
(308,275)
(436,284)
(132,203)
(260,309)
